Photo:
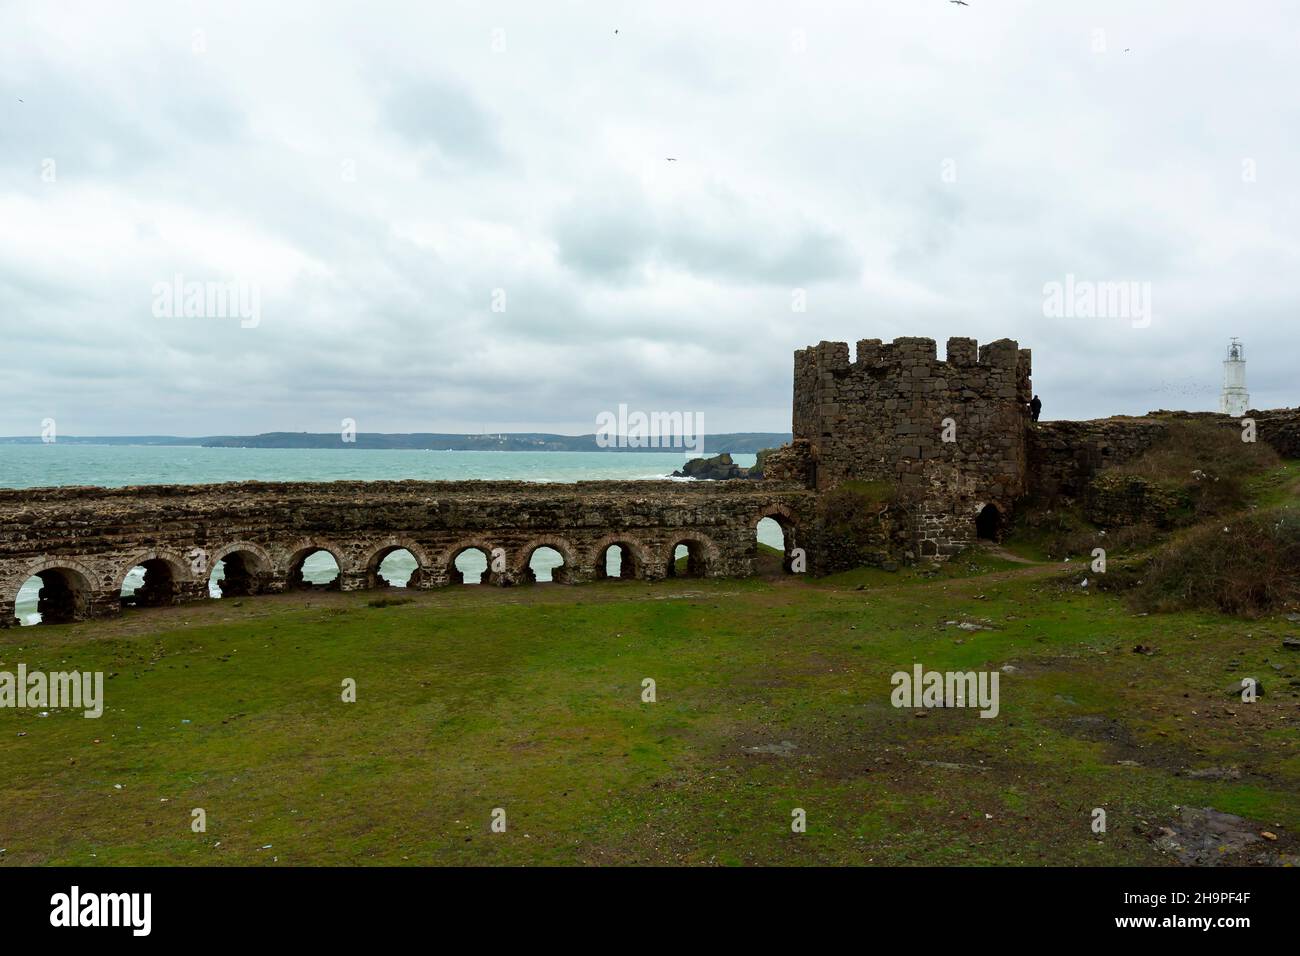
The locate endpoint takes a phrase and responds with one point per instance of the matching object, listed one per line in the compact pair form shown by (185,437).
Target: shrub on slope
(1248,566)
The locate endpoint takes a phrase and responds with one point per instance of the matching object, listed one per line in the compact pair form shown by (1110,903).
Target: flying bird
(960,3)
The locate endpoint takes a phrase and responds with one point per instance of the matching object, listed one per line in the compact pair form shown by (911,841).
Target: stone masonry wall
(92,537)
(792,462)
(1065,456)
(880,417)
(872,428)
(1118,501)
(1280,428)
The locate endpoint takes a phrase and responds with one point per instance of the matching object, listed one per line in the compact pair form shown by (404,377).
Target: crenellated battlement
(909,351)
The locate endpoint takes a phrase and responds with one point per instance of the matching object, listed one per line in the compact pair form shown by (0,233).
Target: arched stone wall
(265,528)
(179,582)
(636,563)
(254,574)
(452,575)
(378,552)
(290,569)
(568,573)
(92,599)
(788,519)
(702,556)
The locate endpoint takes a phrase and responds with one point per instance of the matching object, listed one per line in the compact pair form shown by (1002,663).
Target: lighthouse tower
(1235,398)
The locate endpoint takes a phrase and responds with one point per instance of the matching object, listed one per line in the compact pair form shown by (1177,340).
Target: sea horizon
(115,466)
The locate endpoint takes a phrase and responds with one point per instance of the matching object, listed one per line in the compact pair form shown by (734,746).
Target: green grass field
(772,694)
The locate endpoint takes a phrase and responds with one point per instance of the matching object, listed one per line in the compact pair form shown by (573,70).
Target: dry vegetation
(1235,548)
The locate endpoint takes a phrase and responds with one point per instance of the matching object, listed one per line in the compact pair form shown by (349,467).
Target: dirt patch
(785,748)
(1203,836)
(1122,747)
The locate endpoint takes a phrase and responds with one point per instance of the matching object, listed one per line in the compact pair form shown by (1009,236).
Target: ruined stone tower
(948,436)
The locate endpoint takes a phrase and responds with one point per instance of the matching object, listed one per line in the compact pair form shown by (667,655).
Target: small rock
(1268,834)
(783,749)
(1236,688)
(1213,773)
(1204,836)
(1291,643)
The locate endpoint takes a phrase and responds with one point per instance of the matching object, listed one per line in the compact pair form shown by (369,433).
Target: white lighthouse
(1235,398)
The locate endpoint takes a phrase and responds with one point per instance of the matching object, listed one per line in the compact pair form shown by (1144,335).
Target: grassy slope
(529,699)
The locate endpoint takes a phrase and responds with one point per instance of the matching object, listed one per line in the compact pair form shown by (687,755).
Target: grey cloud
(441,115)
(614,237)
(605,237)
(540,171)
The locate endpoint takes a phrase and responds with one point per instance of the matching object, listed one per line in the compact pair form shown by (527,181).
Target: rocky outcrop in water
(717,468)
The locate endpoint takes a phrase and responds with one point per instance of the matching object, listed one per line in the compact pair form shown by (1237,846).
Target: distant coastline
(734,442)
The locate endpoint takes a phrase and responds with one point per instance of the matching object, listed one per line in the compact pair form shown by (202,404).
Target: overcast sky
(916,167)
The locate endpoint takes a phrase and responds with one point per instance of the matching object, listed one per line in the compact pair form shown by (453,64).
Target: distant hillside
(736,443)
(105,440)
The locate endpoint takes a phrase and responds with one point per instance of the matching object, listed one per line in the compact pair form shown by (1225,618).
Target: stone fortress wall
(953,439)
(84,541)
(949,435)
(946,447)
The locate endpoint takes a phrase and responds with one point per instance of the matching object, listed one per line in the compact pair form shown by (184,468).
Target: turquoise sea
(38,465)
(45,465)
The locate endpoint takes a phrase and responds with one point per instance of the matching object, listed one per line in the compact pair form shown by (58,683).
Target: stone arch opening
(395,566)
(239,571)
(314,567)
(471,564)
(618,560)
(545,564)
(775,543)
(153,582)
(988,523)
(688,558)
(54,595)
